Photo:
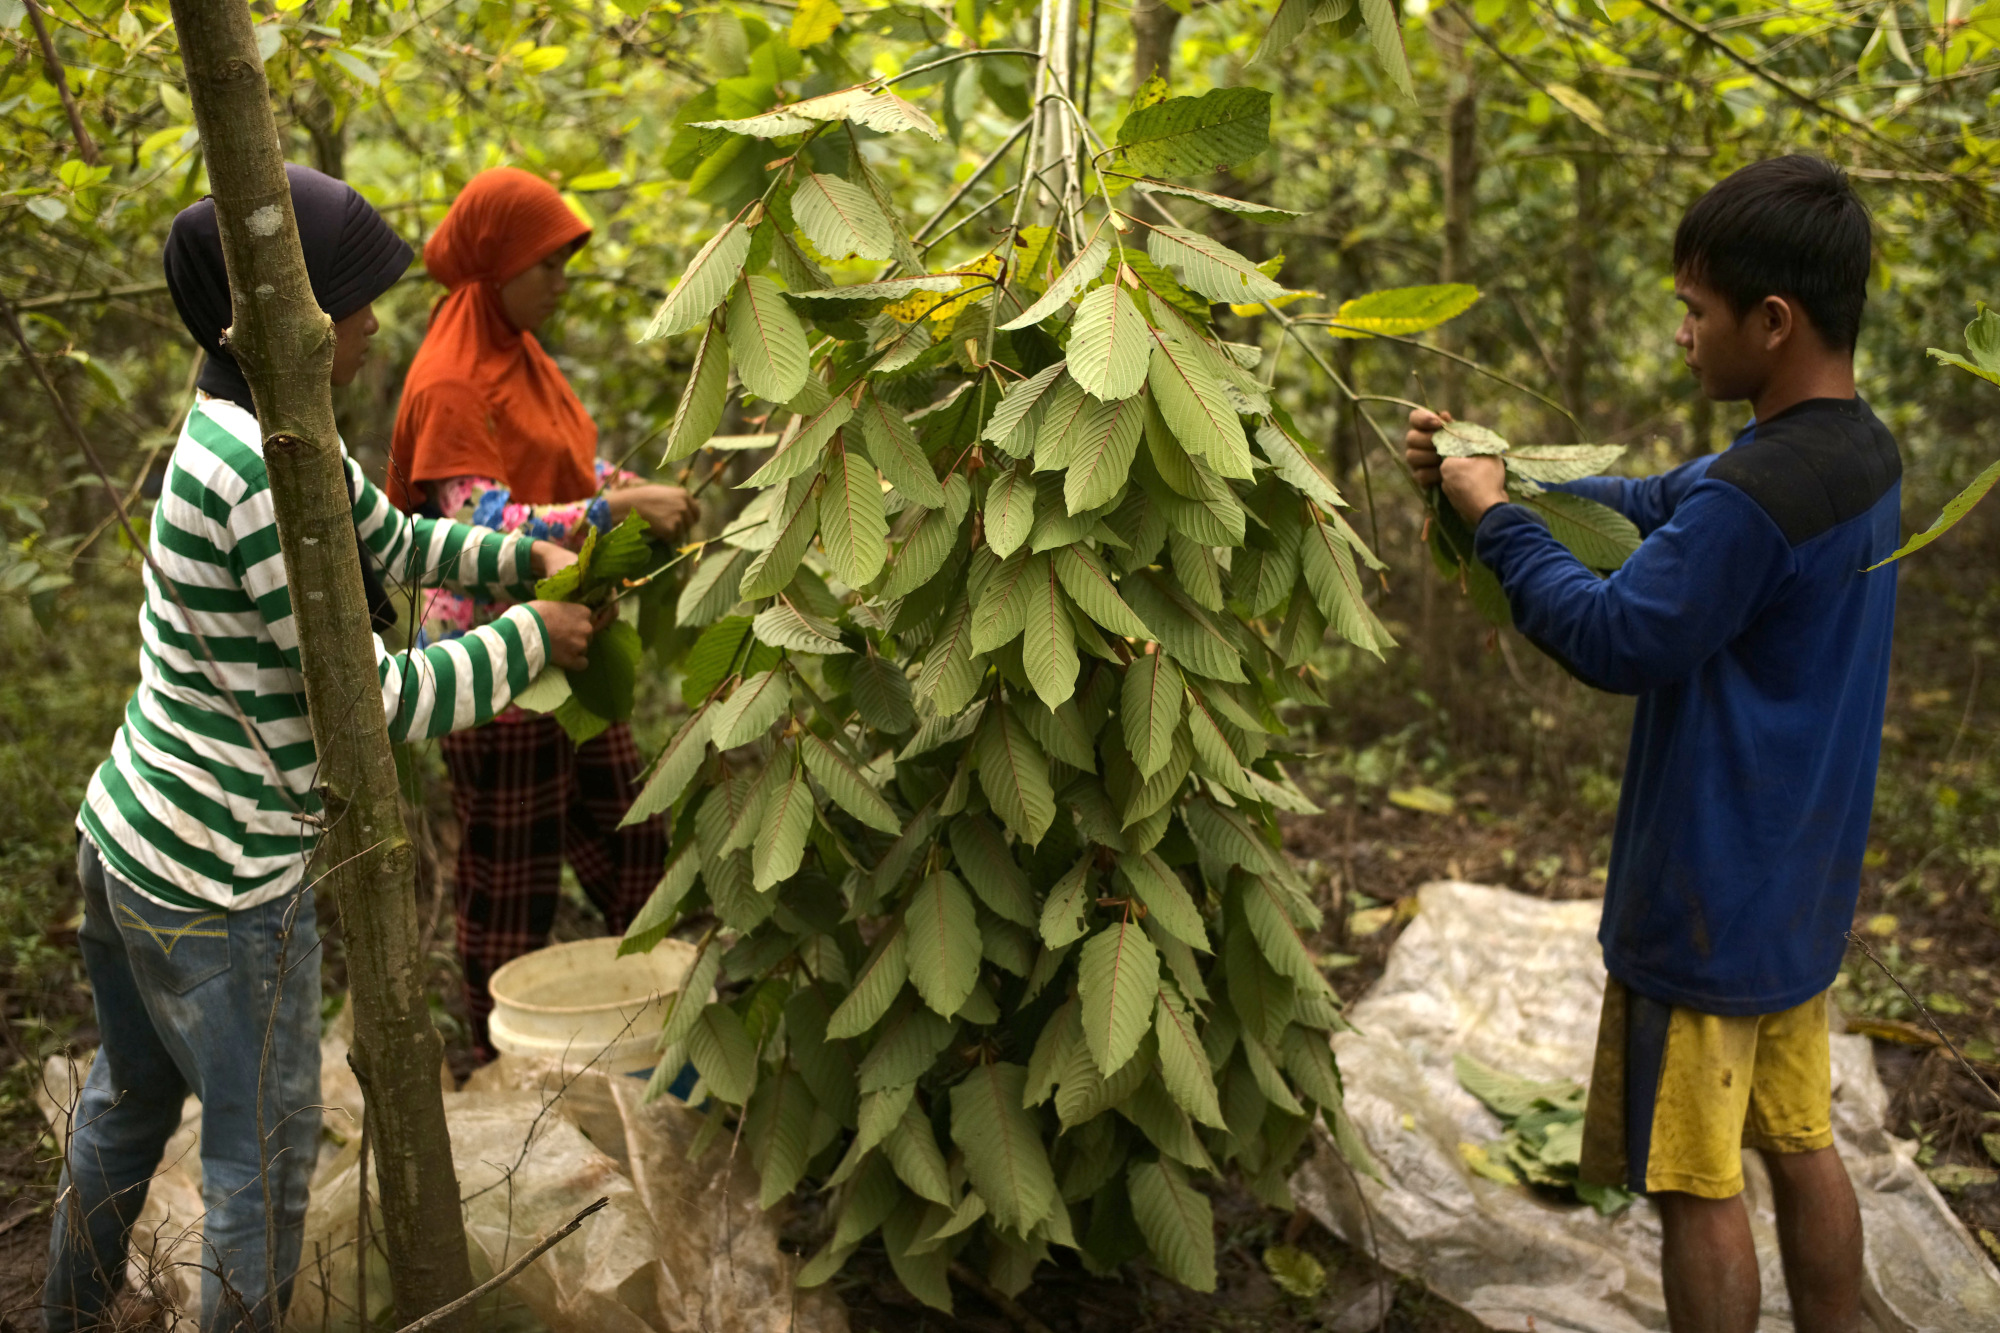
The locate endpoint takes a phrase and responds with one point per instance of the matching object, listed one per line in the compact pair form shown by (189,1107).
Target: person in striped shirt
(197,854)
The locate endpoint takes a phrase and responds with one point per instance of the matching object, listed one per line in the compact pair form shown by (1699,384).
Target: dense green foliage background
(1591,129)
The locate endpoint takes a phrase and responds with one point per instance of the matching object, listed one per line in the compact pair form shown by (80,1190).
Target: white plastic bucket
(582,1004)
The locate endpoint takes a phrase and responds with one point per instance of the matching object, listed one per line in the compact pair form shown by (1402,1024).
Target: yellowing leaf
(1402,310)
(813,23)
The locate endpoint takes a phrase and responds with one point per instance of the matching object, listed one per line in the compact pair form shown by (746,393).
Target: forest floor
(1369,858)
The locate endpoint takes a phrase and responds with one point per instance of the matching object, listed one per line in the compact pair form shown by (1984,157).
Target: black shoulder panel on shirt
(1814,466)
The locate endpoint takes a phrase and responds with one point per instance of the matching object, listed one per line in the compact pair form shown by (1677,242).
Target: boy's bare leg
(1708,1264)
(1819,1235)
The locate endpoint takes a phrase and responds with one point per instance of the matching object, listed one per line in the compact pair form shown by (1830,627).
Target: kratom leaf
(721,1053)
(1118,981)
(1265,213)
(662,907)
(699,411)
(1017,403)
(692,998)
(889,289)
(712,588)
(772,568)
(546,692)
(800,452)
(1089,585)
(776,1127)
(943,933)
(1335,583)
(1150,706)
(1385,34)
(1184,1065)
(1289,457)
(1064,411)
(1467,439)
(987,863)
(952,670)
(1176,1220)
(1166,1125)
(1277,935)
(788,814)
(1048,639)
(1014,775)
(875,987)
(1109,344)
(672,771)
(749,712)
(1003,602)
(842,220)
(1597,534)
(1961,505)
(851,524)
(913,1151)
(894,448)
(1063,910)
(709,276)
(766,340)
(1156,884)
(1004,1157)
(882,695)
(1192,403)
(889,114)
(1079,273)
(1192,136)
(1287,22)
(910,1040)
(1100,452)
(1550,464)
(1184,629)
(1402,310)
(1215,758)
(1208,266)
(1086,1093)
(1010,510)
(845,784)
(783,625)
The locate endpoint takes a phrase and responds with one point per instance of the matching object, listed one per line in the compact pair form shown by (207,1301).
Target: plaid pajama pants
(527,800)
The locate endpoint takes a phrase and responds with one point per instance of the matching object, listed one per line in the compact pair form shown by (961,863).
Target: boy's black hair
(1791,227)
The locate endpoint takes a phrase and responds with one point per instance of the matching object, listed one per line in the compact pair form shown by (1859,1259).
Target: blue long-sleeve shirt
(1760,654)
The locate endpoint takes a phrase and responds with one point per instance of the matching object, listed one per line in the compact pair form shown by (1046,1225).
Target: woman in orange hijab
(489,426)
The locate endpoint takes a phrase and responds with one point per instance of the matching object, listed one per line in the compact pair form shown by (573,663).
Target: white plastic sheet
(681,1248)
(1516,982)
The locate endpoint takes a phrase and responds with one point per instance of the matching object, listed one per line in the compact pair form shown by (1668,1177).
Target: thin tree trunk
(284,343)
(1580,295)
(1461,184)
(1153,24)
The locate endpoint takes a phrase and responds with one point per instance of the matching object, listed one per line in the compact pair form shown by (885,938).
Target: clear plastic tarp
(1516,982)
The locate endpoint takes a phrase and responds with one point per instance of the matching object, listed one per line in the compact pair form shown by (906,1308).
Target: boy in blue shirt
(1759,652)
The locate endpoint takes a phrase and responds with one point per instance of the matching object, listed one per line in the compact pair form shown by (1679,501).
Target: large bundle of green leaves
(983,752)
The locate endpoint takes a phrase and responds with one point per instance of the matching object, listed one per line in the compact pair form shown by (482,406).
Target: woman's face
(350,344)
(530,297)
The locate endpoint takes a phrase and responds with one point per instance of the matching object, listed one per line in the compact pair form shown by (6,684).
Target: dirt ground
(1368,857)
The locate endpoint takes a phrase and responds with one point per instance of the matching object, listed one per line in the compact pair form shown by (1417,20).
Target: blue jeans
(186,1002)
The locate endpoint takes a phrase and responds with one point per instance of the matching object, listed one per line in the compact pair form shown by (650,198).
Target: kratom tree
(983,756)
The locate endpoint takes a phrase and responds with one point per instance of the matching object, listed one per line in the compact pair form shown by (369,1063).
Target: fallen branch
(1964,1064)
(998,1299)
(503,1277)
(53,62)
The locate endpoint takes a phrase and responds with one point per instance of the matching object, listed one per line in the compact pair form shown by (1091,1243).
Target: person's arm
(425,691)
(1648,501)
(1693,585)
(485,502)
(435,552)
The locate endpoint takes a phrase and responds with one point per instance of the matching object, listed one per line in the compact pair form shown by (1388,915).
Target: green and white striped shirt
(187,810)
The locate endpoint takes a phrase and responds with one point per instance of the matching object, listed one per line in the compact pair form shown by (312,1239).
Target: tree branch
(53,62)
(505,1275)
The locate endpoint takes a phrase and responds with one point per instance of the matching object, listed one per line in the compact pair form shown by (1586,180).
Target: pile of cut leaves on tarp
(1542,1142)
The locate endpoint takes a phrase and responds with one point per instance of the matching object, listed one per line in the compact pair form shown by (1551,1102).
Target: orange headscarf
(482,398)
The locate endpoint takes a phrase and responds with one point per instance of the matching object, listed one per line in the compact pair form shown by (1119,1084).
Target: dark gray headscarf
(352,257)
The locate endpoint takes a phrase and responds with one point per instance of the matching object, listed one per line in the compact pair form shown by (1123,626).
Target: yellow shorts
(1676,1095)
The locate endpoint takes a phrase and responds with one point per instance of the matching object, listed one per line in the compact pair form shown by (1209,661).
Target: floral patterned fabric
(483,500)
